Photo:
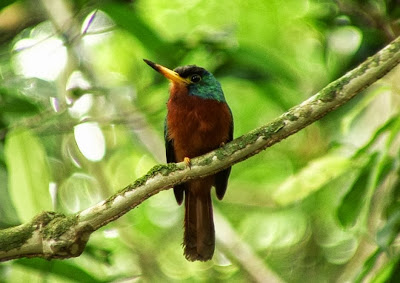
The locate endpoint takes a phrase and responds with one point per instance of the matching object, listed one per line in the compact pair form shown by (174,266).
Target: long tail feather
(199,236)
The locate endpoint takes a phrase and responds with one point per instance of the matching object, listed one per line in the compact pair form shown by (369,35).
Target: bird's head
(196,80)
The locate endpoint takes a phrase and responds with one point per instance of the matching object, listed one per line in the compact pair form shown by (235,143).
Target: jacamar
(198,121)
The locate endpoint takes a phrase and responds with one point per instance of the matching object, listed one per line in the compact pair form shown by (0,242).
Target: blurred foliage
(81,116)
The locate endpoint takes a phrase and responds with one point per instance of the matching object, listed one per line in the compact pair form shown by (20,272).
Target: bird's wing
(221,178)
(170,153)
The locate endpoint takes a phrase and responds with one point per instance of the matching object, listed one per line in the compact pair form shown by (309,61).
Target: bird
(198,121)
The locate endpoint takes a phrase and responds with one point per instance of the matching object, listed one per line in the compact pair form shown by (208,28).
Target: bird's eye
(195,78)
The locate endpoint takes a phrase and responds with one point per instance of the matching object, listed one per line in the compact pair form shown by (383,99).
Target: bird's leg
(187,162)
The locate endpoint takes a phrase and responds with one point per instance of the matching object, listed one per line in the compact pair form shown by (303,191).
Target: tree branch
(52,235)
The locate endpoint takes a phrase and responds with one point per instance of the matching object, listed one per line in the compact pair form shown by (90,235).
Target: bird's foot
(187,161)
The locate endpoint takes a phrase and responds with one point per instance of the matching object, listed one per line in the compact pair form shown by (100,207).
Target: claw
(187,162)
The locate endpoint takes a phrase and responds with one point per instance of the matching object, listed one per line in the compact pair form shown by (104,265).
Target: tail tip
(197,257)
(192,253)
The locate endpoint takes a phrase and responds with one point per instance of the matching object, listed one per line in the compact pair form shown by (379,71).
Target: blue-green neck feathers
(207,87)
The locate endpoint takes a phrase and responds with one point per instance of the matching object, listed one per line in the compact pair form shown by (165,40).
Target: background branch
(52,235)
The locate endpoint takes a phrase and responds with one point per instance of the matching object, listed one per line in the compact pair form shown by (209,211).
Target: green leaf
(13,102)
(60,268)
(29,175)
(389,232)
(125,17)
(312,178)
(378,133)
(352,203)
(390,272)
(5,3)
(368,265)
(7,212)
(262,63)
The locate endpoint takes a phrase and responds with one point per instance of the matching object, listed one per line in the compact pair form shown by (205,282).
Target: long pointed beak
(169,74)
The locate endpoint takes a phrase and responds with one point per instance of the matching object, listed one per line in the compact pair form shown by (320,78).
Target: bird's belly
(196,138)
(198,130)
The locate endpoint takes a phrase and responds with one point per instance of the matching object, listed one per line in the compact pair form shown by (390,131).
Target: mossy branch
(52,235)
